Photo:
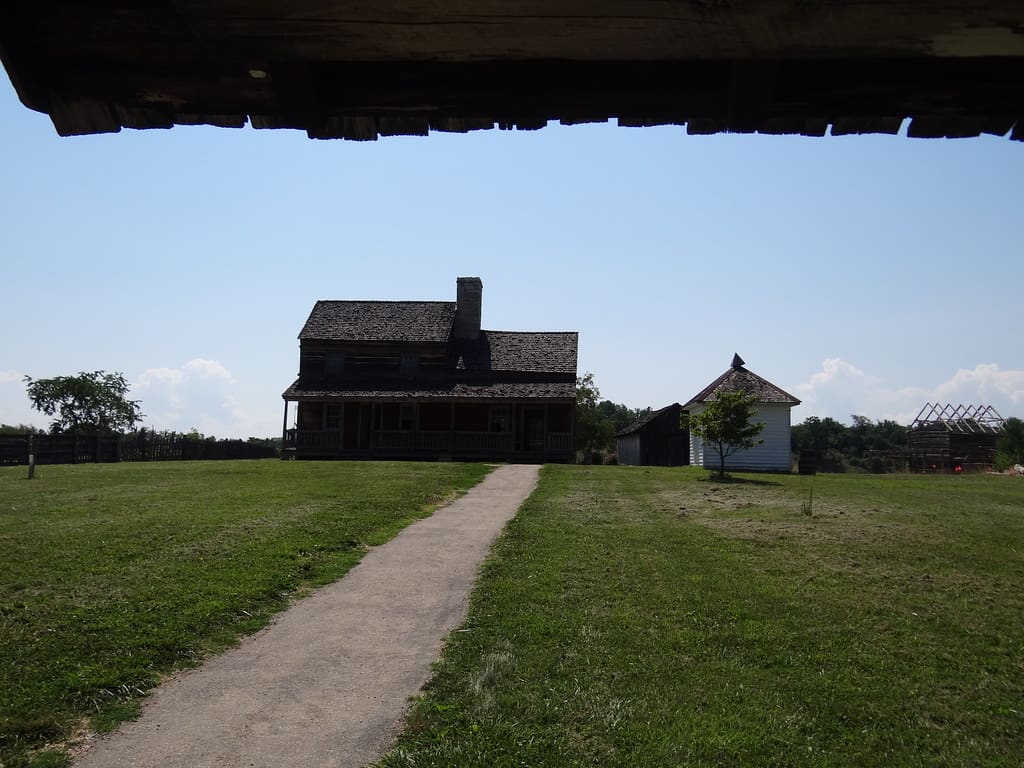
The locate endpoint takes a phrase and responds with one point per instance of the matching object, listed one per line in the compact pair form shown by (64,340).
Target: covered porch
(506,431)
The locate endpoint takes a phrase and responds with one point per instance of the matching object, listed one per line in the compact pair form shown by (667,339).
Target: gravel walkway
(326,684)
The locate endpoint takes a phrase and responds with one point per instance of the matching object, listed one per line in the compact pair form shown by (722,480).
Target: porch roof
(363,70)
(516,390)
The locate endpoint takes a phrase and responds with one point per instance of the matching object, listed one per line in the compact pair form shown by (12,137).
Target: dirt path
(326,683)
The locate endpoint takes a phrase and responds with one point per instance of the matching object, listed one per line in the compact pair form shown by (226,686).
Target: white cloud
(988,381)
(208,369)
(200,394)
(841,389)
(9,376)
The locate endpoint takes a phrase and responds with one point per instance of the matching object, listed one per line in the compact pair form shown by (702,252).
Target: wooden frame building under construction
(948,438)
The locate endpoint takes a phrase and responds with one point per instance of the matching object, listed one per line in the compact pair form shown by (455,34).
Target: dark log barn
(362,70)
(656,440)
(421,379)
(948,438)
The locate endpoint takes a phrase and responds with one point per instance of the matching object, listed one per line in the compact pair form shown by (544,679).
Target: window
(498,419)
(408,418)
(335,363)
(394,417)
(374,363)
(435,417)
(471,417)
(332,417)
(560,418)
(311,365)
(410,363)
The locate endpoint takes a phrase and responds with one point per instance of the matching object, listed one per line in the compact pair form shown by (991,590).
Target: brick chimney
(468,298)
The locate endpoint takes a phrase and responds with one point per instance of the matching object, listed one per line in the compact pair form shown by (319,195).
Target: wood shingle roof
(523,351)
(739,378)
(643,421)
(401,321)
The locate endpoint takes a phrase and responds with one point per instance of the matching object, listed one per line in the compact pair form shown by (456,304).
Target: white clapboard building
(773,409)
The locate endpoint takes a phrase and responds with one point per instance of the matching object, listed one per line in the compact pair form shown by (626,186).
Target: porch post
(546,447)
(284,427)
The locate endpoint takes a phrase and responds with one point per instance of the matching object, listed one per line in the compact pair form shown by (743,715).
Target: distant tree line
(862,446)
(840,448)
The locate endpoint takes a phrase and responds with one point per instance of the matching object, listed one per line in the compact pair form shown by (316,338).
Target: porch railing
(328,441)
(559,441)
(318,441)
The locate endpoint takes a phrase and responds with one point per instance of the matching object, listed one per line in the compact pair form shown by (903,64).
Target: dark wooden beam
(340,70)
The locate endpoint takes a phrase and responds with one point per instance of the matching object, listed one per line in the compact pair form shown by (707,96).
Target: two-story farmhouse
(421,379)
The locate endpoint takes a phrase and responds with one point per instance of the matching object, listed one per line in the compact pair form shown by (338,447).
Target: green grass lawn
(112,576)
(648,617)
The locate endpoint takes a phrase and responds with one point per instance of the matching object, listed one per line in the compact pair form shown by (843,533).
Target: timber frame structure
(948,438)
(422,380)
(338,69)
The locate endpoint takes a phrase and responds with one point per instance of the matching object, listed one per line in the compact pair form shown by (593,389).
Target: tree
(725,424)
(593,432)
(96,402)
(619,416)
(1011,442)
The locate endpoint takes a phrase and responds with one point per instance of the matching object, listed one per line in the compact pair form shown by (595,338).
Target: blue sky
(864,275)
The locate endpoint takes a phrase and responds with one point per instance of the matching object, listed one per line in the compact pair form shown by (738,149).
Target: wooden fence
(138,446)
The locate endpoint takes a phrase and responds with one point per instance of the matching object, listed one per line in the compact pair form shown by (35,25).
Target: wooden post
(284,432)
(31,459)
(342,415)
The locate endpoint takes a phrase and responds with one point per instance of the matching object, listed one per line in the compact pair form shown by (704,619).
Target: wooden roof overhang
(359,70)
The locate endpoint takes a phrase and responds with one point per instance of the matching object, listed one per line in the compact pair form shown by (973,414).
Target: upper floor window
(311,365)
(372,363)
(335,363)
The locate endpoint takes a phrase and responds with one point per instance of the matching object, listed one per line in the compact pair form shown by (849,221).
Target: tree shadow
(733,480)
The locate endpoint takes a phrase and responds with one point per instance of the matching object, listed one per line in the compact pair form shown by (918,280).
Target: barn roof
(643,421)
(738,378)
(359,71)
